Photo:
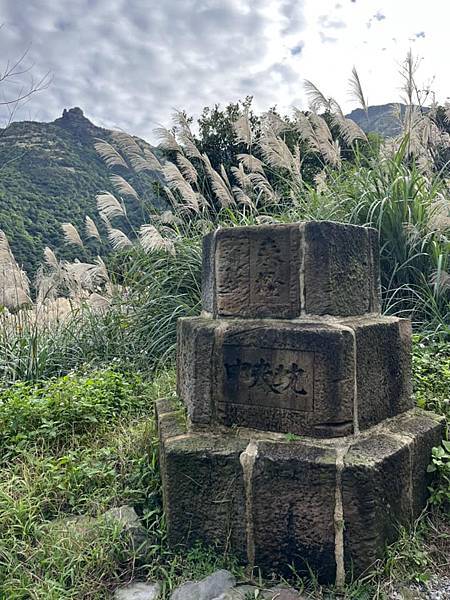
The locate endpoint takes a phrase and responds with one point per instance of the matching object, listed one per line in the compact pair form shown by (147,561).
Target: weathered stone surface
(242,592)
(384,483)
(247,592)
(341,269)
(291,342)
(138,591)
(203,488)
(137,535)
(207,589)
(295,376)
(285,376)
(195,347)
(275,500)
(424,430)
(285,270)
(293,489)
(252,271)
(383,363)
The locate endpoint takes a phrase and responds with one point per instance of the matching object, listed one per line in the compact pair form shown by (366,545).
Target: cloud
(128,63)
(326,39)
(328,23)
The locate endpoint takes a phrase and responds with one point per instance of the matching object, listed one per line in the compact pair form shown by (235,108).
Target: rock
(242,592)
(207,589)
(279,593)
(138,591)
(126,515)
(139,537)
(247,592)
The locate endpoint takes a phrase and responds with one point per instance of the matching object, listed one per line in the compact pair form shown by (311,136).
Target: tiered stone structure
(301,444)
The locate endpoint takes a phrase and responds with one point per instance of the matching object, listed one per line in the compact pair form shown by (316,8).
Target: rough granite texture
(300,445)
(295,376)
(282,271)
(286,512)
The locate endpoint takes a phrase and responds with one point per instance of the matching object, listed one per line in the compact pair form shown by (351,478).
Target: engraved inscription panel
(269,269)
(253,272)
(233,274)
(278,378)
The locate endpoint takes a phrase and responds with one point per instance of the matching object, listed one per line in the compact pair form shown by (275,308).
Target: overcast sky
(128,63)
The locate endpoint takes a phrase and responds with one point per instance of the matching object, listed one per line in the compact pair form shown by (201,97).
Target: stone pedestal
(301,444)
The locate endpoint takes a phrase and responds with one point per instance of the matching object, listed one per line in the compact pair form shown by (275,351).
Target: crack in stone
(339,518)
(356,429)
(247,460)
(301,272)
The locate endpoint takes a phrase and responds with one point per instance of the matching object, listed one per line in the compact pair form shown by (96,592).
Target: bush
(55,410)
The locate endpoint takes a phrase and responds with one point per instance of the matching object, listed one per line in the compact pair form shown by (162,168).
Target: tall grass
(128,311)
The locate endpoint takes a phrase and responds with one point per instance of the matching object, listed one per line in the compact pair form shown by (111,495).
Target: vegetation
(50,173)
(89,346)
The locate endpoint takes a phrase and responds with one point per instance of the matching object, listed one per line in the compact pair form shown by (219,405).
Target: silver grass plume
(276,152)
(224,175)
(47,286)
(187,169)
(219,186)
(71,234)
(109,154)
(317,100)
(303,126)
(118,239)
(263,188)
(348,129)
(356,90)
(91,229)
(323,141)
(126,142)
(167,139)
(251,163)
(168,218)
(242,177)
(242,197)
(145,161)
(109,207)
(123,187)
(176,182)
(50,258)
(185,135)
(151,240)
(243,128)
(275,122)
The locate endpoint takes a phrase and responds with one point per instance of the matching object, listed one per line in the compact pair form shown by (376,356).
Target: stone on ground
(207,589)
(138,535)
(245,592)
(138,591)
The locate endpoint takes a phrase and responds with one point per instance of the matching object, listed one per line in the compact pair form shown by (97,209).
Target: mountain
(50,173)
(379,119)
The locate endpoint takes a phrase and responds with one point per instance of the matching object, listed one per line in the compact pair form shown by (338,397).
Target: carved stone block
(326,505)
(284,271)
(295,376)
(383,363)
(285,376)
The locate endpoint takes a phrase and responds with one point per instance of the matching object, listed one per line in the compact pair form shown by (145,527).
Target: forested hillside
(50,174)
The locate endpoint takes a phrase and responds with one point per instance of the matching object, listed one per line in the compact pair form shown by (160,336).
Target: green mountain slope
(50,174)
(379,119)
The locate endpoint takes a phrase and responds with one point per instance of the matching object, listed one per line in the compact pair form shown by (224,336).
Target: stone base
(275,500)
(310,377)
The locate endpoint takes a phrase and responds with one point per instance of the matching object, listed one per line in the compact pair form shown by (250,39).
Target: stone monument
(299,443)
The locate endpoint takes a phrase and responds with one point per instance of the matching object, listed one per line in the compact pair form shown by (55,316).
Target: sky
(129,63)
